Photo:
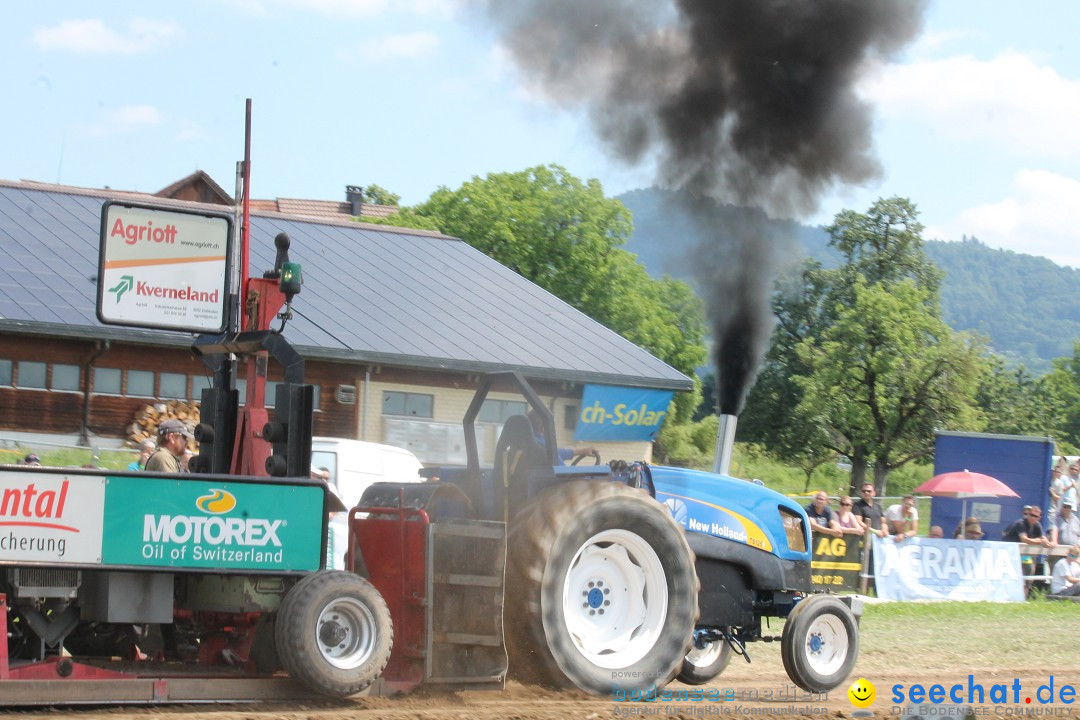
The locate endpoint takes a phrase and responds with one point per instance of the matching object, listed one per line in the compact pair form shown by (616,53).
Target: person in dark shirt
(870,512)
(822,519)
(1028,530)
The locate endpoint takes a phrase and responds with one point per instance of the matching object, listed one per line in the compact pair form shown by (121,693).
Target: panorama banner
(944,569)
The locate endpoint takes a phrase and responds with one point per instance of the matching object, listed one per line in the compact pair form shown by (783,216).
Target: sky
(977,120)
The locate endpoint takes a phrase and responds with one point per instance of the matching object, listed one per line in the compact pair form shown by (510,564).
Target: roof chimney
(354,195)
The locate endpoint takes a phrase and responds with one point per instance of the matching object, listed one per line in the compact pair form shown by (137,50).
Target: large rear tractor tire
(704,663)
(820,643)
(601,590)
(333,633)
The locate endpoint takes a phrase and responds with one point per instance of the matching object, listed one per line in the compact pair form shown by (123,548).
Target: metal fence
(13,451)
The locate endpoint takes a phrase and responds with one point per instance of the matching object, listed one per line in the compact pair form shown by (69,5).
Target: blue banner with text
(621,414)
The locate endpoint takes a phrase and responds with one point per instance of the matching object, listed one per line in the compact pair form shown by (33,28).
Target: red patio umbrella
(964,485)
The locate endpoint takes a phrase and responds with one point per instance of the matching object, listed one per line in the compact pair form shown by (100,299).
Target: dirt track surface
(520,702)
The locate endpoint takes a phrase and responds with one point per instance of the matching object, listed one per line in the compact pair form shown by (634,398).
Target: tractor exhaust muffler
(725,444)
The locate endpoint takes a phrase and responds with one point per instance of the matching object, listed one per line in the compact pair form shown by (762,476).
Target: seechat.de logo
(218,502)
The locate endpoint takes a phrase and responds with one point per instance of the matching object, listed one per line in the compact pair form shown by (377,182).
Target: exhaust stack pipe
(725,444)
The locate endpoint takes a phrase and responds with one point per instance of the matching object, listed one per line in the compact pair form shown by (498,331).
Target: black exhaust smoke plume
(743,101)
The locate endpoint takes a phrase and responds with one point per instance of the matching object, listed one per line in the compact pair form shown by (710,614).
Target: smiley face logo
(862,693)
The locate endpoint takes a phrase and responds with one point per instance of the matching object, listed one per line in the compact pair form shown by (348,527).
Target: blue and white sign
(942,569)
(621,414)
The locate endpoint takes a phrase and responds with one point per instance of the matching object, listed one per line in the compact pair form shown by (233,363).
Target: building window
(198,384)
(570,414)
(107,380)
(140,383)
(498,411)
(5,372)
(65,377)
(172,385)
(408,404)
(32,374)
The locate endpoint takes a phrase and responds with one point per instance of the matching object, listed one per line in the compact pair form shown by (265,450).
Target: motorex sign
(212,524)
(621,414)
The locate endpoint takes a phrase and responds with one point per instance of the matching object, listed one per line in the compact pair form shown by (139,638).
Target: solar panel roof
(371,294)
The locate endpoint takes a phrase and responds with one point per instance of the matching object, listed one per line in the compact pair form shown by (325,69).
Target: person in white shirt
(903,519)
(1065,580)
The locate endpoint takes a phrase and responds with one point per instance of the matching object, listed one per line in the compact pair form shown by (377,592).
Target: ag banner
(836,562)
(621,414)
(944,569)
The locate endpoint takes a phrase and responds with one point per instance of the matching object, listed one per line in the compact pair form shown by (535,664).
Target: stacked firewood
(148,417)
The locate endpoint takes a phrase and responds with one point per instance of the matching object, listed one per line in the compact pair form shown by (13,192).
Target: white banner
(51,518)
(940,569)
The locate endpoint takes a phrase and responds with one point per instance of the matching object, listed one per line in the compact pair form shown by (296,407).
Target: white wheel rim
(826,644)
(346,633)
(706,656)
(615,599)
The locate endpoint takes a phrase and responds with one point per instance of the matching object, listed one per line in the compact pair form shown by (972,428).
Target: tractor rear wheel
(601,591)
(820,643)
(333,633)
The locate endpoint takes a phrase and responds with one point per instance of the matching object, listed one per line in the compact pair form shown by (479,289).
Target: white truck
(349,467)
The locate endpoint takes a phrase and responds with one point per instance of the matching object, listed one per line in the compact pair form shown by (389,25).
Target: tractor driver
(565,454)
(172,443)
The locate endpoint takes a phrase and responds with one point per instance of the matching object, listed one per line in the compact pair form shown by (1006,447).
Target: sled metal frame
(65,681)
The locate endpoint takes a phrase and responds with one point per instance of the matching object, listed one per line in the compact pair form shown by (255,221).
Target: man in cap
(31,459)
(172,442)
(1066,530)
(1066,576)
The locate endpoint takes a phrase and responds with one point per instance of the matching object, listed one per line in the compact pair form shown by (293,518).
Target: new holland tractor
(618,576)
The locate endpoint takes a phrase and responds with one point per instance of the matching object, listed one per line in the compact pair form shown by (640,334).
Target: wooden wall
(61,411)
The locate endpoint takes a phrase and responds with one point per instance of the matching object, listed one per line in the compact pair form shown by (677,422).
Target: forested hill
(1027,306)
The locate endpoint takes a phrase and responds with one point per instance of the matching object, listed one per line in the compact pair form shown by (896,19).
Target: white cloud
(395,47)
(1012,101)
(126,120)
(93,37)
(1040,216)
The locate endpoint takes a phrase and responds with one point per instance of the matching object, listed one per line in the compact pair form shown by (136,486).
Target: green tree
(885,374)
(861,363)
(563,234)
(1060,389)
(377,195)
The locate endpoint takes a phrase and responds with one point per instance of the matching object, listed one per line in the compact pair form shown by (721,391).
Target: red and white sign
(53,518)
(163,268)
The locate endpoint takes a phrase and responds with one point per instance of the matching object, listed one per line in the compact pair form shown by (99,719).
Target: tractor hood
(732,509)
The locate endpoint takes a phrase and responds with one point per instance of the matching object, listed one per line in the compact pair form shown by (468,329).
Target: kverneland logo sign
(127,282)
(173,293)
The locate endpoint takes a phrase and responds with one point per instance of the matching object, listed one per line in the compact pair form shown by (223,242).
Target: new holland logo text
(211,537)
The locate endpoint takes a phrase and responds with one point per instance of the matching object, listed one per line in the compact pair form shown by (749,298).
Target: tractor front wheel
(333,633)
(820,643)
(708,657)
(601,591)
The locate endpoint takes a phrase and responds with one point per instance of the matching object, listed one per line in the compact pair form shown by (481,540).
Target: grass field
(72,457)
(954,635)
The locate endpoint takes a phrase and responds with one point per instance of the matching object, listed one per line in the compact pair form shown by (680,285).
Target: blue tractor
(622,576)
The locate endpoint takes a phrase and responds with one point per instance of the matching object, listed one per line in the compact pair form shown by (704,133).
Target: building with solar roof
(396,327)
